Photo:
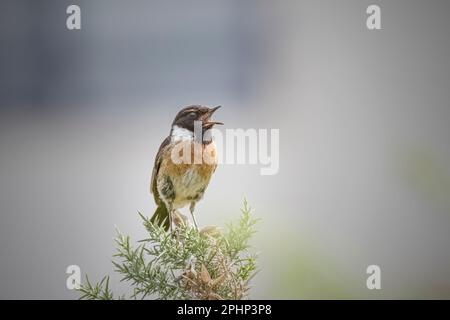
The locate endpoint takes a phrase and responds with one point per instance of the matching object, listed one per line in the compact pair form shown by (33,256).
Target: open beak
(208,123)
(212,110)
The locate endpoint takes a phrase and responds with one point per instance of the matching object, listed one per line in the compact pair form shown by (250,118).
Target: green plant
(186,264)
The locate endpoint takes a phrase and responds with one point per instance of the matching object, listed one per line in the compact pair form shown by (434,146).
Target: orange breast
(185,155)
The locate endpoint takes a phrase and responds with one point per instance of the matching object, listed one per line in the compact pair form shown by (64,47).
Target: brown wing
(153,188)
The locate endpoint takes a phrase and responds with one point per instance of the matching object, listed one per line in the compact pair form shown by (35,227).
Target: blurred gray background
(364,121)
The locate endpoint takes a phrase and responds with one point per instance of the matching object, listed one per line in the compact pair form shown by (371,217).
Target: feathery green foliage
(186,264)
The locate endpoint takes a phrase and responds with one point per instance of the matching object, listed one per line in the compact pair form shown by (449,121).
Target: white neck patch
(180,134)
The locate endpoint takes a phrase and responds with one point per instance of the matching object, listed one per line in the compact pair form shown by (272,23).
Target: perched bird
(174,183)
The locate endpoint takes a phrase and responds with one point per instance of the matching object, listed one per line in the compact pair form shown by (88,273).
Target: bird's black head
(187,116)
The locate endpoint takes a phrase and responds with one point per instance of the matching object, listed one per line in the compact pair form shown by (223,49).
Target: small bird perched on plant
(184,164)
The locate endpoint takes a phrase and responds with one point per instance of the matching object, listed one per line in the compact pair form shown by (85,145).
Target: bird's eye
(192,114)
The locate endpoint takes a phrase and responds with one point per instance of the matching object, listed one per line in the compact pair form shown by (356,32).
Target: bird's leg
(170,210)
(191,209)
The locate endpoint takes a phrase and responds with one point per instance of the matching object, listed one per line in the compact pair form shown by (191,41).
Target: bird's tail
(161,216)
